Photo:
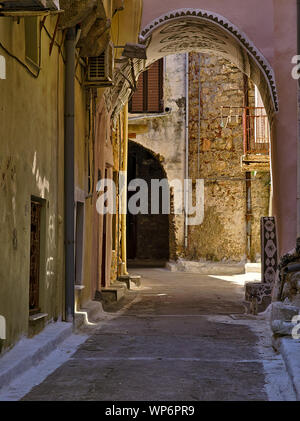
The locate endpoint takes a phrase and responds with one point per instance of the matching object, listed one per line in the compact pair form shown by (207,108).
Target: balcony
(256,139)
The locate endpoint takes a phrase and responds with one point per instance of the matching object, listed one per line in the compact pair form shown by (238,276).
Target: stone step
(125,279)
(28,353)
(136,279)
(90,312)
(113,293)
(131,281)
(206,268)
(253,267)
(145,263)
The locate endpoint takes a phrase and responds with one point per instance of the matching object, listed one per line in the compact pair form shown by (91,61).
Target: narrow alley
(150,201)
(174,344)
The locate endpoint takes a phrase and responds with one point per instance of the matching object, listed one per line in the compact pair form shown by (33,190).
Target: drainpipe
(248,214)
(298,149)
(248,174)
(119,210)
(124,195)
(69,175)
(199,119)
(186,193)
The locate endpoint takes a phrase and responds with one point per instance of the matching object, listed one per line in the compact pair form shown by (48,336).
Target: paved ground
(184,337)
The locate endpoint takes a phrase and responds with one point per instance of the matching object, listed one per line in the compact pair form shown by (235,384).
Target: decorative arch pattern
(215,33)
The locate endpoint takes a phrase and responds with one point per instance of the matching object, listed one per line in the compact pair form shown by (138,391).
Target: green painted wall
(31,164)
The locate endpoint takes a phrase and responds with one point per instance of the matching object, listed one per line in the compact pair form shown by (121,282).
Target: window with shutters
(32,39)
(148,97)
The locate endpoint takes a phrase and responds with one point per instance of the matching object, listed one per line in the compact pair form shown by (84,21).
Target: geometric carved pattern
(269,250)
(254,63)
(230,28)
(258,295)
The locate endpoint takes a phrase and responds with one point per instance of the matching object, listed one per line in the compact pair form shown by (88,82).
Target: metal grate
(100,68)
(35,245)
(256,131)
(97,67)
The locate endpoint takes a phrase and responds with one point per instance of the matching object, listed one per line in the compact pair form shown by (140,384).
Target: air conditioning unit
(100,69)
(29,5)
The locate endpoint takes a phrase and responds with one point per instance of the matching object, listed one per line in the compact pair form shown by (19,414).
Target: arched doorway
(186,30)
(147,234)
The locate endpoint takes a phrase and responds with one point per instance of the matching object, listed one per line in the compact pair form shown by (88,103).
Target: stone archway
(185,30)
(270,53)
(148,235)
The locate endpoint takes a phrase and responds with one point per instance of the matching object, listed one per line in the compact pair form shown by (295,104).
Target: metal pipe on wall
(186,192)
(199,118)
(119,237)
(124,195)
(248,174)
(248,215)
(69,174)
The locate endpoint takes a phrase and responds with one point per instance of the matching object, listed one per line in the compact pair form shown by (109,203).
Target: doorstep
(253,267)
(131,281)
(113,293)
(29,352)
(90,313)
(206,267)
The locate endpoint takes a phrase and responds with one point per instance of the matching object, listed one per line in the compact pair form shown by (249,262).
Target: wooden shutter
(32,39)
(154,87)
(149,95)
(136,104)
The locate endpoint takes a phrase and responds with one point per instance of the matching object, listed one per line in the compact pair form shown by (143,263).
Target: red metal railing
(256,131)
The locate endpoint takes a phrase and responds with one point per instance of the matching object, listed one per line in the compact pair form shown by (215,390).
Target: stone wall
(31,165)
(215,151)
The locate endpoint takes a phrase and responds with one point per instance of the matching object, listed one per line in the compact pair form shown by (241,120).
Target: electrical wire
(27,68)
(24,65)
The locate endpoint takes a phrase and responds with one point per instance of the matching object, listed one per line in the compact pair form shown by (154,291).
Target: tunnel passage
(147,235)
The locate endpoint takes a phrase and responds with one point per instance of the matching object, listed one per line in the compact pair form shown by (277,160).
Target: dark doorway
(35,249)
(79,242)
(147,235)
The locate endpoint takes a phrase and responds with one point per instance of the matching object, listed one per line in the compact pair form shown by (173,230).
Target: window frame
(145,93)
(35,22)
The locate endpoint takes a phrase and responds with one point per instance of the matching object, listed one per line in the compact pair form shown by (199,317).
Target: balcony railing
(256,131)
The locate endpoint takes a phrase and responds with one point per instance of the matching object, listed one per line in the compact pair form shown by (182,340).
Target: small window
(32,39)
(149,95)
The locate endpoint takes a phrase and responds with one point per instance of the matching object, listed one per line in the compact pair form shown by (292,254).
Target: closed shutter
(154,88)
(136,104)
(149,95)
(32,39)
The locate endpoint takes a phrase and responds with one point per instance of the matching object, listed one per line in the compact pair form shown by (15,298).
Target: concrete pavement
(183,337)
